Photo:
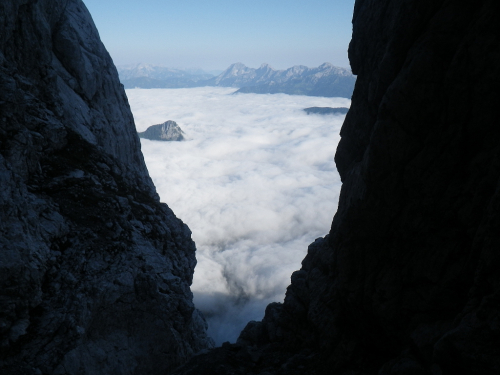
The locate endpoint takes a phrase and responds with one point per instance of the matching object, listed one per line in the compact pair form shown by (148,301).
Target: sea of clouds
(256,183)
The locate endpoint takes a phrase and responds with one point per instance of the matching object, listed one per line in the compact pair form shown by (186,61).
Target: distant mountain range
(325,80)
(154,77)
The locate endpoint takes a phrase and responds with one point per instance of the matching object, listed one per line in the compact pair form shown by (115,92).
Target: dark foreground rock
(94,270)
(326,110)
(407,280)
(168,131)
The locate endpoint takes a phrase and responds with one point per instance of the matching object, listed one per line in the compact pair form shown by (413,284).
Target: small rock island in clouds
(326,110)
(168,131)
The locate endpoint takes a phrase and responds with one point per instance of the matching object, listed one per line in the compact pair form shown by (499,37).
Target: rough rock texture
(407,281)
(168,131)
(94,270)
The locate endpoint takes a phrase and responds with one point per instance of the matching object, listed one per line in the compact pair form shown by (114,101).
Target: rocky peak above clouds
(326,110)
(168,131)
(239,75)
(325,80)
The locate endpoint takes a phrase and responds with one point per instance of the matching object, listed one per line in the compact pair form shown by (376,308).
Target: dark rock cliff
(94,270)
(407,280)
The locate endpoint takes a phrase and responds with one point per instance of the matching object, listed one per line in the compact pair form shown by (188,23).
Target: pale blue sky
(215,34)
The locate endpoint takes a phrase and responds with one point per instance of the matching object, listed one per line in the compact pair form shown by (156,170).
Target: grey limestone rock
(94,270)
(168,131)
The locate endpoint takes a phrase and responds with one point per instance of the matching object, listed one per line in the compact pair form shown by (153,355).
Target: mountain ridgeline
(325,80)
(155,77)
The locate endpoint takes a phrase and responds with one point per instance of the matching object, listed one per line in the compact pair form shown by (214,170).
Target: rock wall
(407,280)
(94,270)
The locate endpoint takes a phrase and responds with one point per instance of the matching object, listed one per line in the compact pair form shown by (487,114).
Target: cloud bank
(256,183)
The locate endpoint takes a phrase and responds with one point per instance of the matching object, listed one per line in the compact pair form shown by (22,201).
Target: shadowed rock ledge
(94,270)
(407,280)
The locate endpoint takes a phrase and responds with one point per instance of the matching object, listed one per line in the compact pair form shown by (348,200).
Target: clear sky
(214,34)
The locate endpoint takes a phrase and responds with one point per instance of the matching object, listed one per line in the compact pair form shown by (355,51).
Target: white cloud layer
(256,183)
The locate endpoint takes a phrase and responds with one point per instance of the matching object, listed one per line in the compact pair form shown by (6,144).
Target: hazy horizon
(214,72)
(213,35)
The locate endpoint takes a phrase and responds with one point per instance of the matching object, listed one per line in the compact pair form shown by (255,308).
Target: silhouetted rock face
(94,270)
(407,281)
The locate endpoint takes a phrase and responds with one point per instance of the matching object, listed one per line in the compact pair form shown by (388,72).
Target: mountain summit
(325,80)
(168,131)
